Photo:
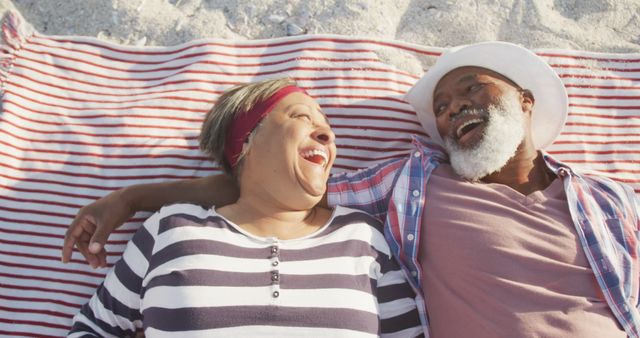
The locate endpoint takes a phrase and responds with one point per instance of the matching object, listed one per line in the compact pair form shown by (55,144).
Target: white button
(416,154)
(410,237)
(414,273)
(416,193)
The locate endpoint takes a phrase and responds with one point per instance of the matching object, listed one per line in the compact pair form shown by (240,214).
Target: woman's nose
(324,135)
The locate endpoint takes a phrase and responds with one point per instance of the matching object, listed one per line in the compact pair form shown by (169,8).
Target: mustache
(480,112)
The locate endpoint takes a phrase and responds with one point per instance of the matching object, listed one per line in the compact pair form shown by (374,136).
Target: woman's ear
(528,101)
(245,147)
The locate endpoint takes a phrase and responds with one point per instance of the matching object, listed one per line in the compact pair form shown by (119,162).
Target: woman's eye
(303,116)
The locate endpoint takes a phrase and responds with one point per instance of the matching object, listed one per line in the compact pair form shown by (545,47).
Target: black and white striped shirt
(190,272)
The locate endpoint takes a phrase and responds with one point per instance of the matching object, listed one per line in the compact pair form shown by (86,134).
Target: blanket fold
(15,31)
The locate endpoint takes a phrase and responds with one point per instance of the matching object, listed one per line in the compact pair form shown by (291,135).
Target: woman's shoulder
(183,209)
(359,222)
(345,215)
(177,210)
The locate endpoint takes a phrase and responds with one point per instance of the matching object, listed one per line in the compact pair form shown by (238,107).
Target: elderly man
(503,240)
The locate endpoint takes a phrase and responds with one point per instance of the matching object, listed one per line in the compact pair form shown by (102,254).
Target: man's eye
(440,108)
(475,87)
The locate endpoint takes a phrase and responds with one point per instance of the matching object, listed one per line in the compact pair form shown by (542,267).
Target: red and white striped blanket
(81,117)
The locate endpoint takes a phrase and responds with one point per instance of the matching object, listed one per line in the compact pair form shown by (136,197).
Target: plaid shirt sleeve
(605,215)
(635,214)
(368,189)
(635,205)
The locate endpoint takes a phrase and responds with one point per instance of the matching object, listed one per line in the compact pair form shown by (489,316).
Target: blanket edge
(15,32)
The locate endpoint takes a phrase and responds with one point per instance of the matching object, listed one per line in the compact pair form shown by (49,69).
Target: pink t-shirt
(497,263)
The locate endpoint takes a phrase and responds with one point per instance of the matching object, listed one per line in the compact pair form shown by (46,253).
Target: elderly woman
(272,264)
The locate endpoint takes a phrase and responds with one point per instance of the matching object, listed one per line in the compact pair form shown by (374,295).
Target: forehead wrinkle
(290,107)
(463,79)
(316,109)
(475,73)
(466,78)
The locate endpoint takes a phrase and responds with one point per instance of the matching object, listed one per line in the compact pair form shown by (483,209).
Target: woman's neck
(269,219)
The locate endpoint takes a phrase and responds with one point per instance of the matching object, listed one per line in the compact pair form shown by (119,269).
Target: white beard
(503,134)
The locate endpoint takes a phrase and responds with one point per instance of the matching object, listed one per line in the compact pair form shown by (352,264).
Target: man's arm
(367,189)
(207,191)
(114,309)
(94,222)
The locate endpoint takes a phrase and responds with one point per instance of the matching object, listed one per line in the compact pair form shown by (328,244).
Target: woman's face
(291,154)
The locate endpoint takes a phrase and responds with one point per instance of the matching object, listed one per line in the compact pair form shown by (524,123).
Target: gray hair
(237,100)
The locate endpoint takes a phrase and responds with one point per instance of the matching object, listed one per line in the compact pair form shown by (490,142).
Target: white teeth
(318,152)
(459,131)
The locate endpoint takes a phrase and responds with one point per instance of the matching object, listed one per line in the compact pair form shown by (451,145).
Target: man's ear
(528,101)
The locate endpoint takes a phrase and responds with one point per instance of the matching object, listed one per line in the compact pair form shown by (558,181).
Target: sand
(594,25)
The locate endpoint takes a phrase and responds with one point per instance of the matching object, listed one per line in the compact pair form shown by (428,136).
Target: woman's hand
(93,224)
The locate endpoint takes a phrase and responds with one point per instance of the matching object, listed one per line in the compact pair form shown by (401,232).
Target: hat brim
(520,65)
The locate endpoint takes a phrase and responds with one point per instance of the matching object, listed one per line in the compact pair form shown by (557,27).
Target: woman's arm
(94,222)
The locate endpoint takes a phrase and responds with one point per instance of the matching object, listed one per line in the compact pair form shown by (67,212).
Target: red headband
(244,123)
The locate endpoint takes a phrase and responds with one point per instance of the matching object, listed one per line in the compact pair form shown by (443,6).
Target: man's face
(480,116)
(467,88)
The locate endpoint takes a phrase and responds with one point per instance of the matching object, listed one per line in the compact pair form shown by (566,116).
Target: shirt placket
(274,259)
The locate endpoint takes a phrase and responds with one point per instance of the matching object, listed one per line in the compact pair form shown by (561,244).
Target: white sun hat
(518,64)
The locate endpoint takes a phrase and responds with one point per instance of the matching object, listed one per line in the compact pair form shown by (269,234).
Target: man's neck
(526,172)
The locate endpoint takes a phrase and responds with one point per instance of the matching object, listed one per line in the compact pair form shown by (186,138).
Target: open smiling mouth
(469,128)
(316,156)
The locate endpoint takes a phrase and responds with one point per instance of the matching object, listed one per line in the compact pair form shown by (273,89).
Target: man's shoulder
(606,186)
(590,176)
(599,178)
(428,147)
(610,191)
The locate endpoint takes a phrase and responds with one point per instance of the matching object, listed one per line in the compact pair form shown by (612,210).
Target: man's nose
(458,106)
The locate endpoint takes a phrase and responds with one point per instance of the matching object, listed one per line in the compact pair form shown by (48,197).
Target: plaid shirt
(604,213)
